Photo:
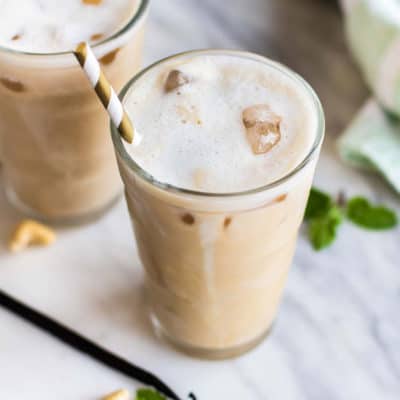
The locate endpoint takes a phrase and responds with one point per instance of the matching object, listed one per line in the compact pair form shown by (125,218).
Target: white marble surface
(337,335)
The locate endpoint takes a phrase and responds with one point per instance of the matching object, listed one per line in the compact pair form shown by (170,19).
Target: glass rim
(137,15)
(143,174)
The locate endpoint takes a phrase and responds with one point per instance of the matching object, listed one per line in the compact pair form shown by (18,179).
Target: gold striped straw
(104,90)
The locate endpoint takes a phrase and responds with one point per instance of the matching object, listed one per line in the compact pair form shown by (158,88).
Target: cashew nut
(29,232)
(121,394)
(92,2)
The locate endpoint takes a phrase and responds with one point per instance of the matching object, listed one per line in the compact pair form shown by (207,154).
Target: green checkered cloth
(372,140)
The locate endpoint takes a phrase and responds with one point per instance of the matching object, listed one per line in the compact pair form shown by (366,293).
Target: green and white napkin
(373,139)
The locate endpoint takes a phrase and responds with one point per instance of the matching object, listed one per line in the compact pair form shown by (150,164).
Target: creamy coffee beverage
(58,160)
(216,184)
(48,26)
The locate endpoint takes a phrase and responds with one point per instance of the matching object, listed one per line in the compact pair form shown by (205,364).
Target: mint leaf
(362,213)
(149,394)
(322,230)
(319,204)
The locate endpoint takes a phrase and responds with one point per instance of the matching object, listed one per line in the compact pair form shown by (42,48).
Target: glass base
(79,219)
(206,353)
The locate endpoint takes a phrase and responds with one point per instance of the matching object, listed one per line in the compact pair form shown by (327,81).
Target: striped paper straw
(104,90)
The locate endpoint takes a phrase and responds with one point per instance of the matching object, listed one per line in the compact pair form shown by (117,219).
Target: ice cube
(262,127)
(109,57)
(175,79)
(12,84)
(96,36)
(188,219)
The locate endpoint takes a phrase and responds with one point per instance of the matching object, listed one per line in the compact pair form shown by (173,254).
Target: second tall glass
(57,155)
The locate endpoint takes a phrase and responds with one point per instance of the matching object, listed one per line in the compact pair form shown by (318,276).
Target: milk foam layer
(48,26)
(194,137)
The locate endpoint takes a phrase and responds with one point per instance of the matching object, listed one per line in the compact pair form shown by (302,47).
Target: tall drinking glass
(216,263)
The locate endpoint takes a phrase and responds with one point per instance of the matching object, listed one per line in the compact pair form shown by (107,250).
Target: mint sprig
(322,230)
(362,213)
(324,216)
(149,394)
(319,204)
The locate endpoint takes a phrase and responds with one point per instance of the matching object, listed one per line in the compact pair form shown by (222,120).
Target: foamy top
(49,26)
(194,136)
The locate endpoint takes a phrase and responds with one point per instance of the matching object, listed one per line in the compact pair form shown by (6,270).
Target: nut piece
(121,394)
(29,232)
(262,127)
(175,79)
(92,2)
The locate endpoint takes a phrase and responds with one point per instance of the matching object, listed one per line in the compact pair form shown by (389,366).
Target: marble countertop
(337,335)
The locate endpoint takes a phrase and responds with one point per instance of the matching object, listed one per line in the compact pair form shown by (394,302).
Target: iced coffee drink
(216,185)
(58,160)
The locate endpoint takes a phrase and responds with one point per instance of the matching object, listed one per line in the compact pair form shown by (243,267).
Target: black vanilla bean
(84,345)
